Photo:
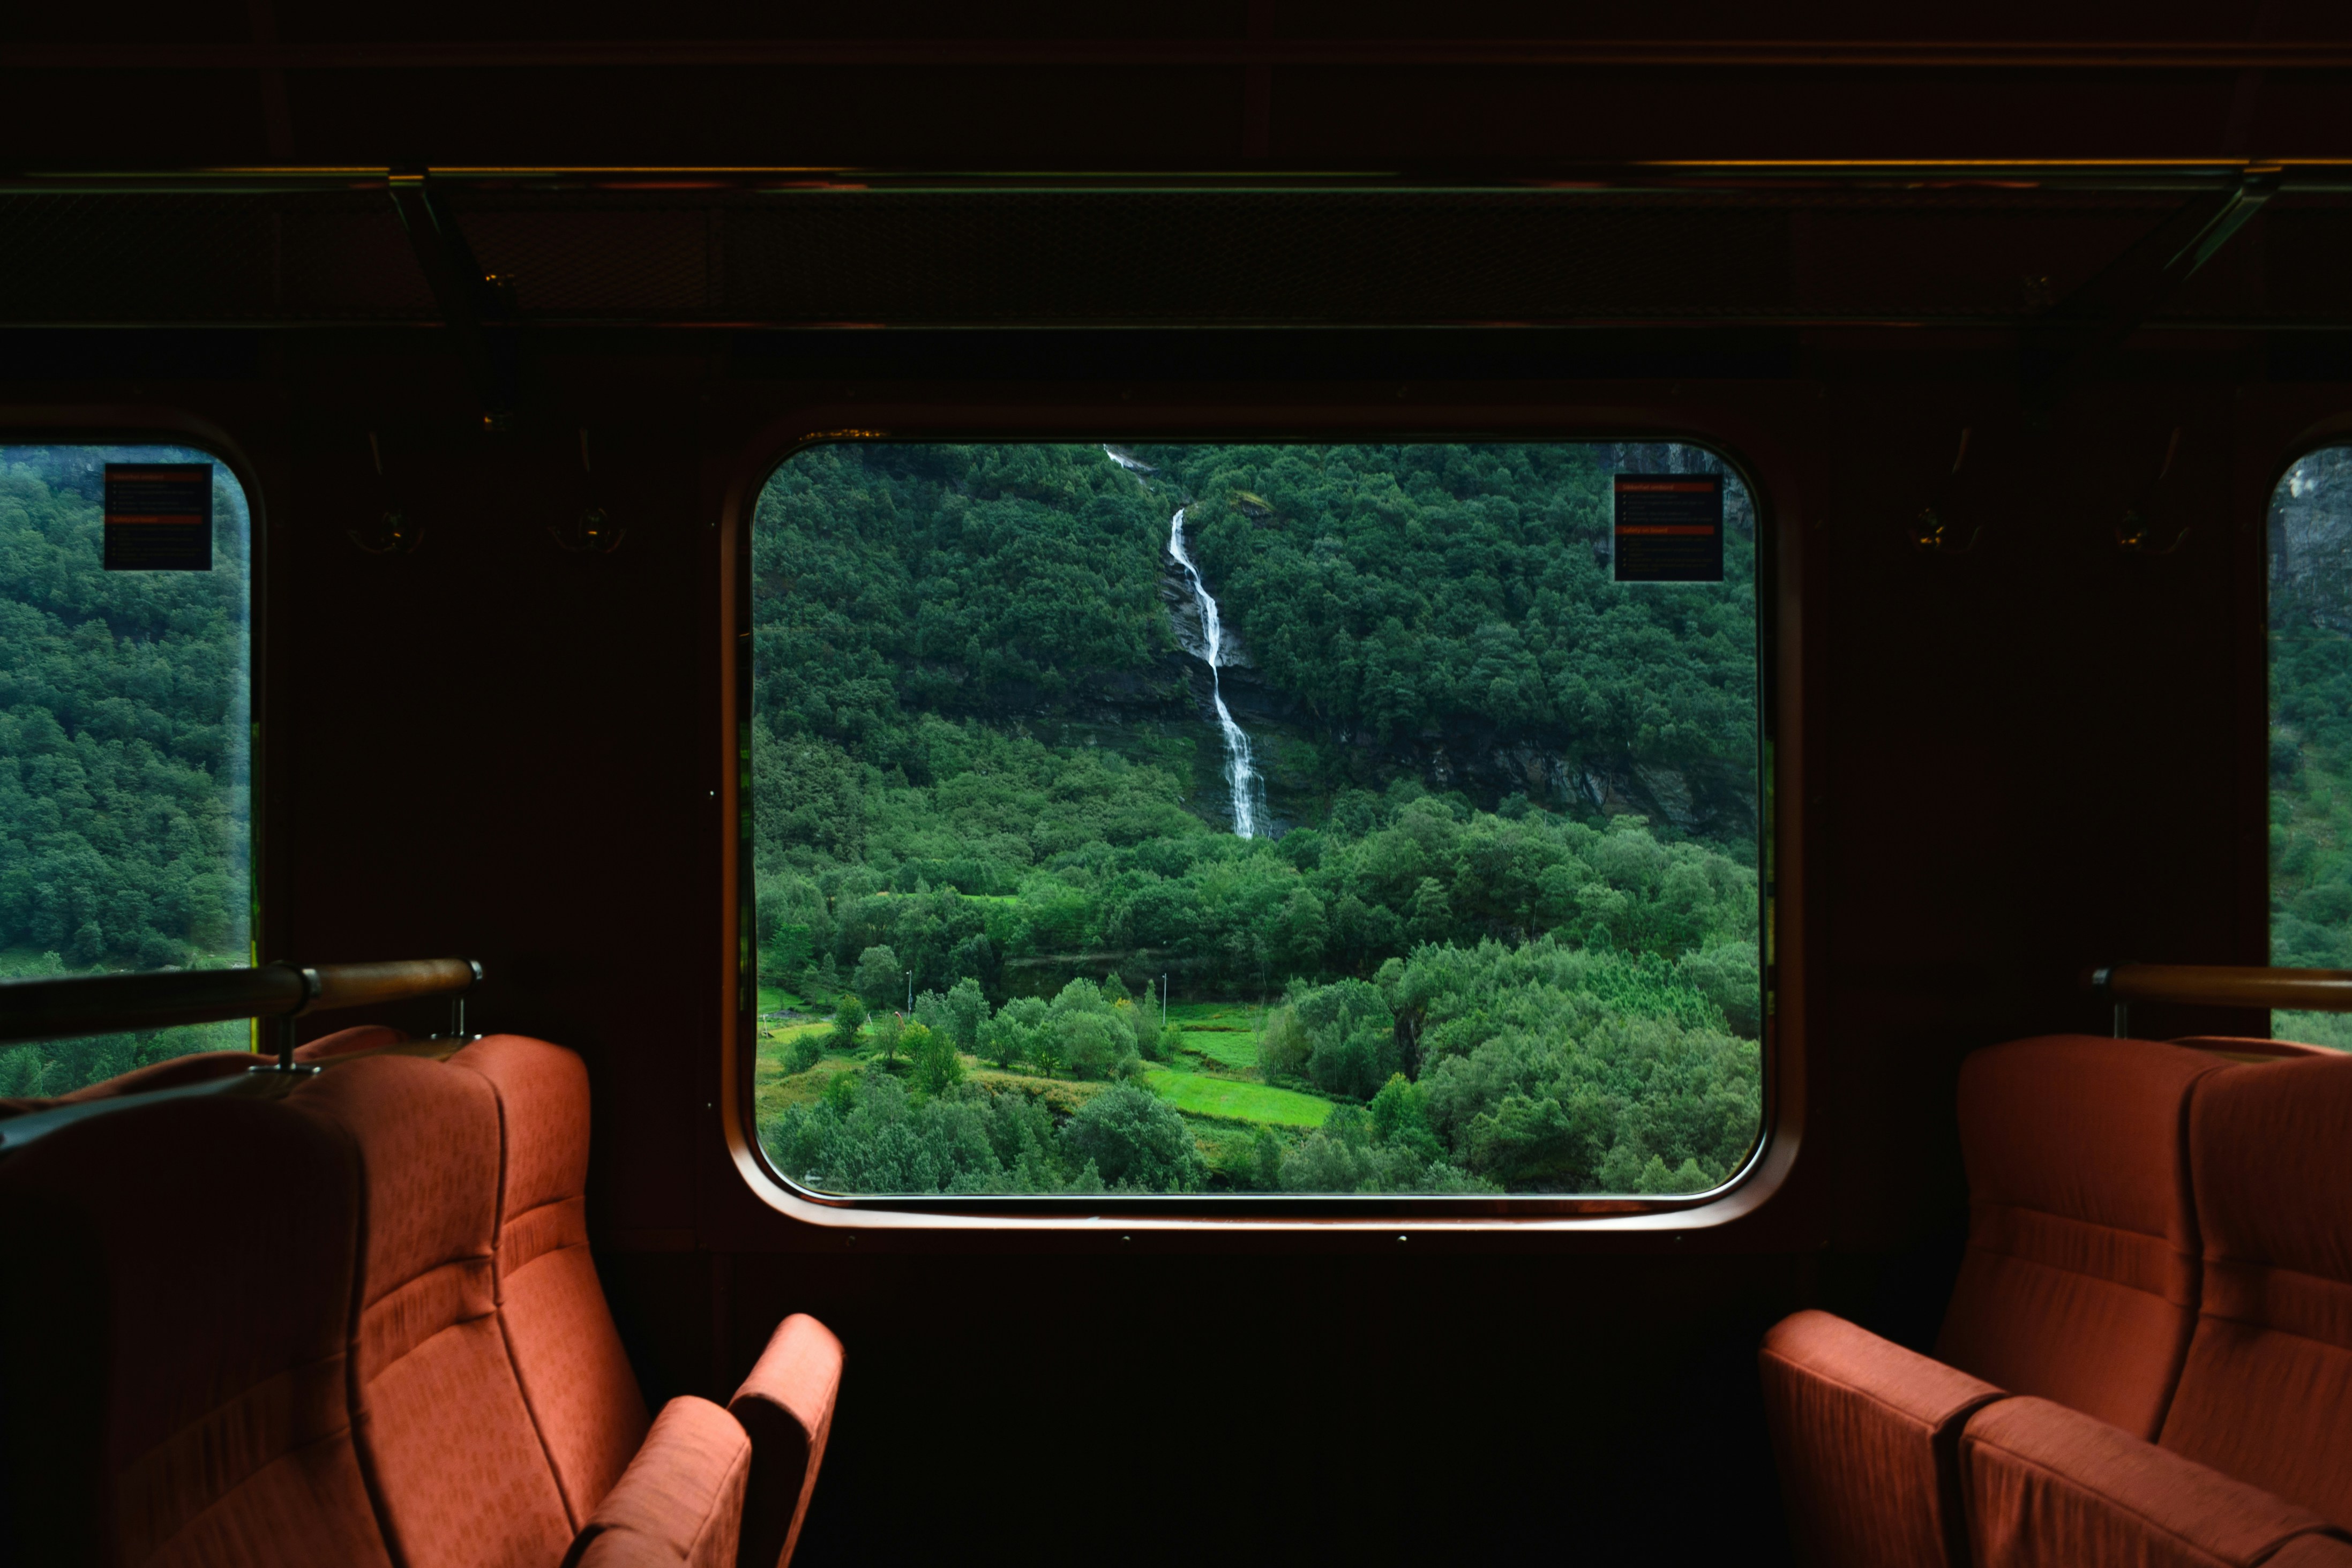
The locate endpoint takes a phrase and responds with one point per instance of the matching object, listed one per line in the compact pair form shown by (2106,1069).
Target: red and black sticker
(159,517)
(1669,528)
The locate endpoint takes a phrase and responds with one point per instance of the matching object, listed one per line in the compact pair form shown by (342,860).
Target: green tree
(966,1011)
(1283,1045)
(1400,1118)
(880,981)
(1136,1142)
(848,1017)
(1045,1050)
(933,1055)
(804,1052)
(888,1030)
(1087,1042)
(1014,1033)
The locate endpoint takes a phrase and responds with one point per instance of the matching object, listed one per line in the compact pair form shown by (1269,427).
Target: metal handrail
(63,1006)
(2219,986)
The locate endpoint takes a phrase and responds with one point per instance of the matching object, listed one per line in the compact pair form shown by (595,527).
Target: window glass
(126,797)
(2311,730)
(1274,819)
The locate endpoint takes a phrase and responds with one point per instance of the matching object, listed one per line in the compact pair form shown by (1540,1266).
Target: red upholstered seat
(681,1502)
(2251,1048)
(2081,1276)
(2079,1285)
(187,1401)
(203,1066)
(350,1042)
(452,1458)
(2051,1487)
(786,1407)
(447,1389)
(567,1353)
(1867,1435)
(2266,1396)
(498,1418)
(172,1073)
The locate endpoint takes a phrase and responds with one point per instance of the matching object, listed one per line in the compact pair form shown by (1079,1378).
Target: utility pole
(910,993)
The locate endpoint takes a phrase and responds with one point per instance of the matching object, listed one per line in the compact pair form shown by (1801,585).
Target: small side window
(2311,730)
(126,735)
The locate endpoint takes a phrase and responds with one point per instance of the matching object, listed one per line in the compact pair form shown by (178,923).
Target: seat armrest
(786,1406)
(681,1502)
(2044,1484)
(1867,1437)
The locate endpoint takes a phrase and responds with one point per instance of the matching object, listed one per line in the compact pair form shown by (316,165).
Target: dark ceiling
(1258,164)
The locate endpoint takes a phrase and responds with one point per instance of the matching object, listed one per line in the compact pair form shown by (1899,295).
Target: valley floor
(1212,1082)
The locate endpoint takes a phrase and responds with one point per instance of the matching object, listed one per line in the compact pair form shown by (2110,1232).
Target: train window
(2311,730)
(1287,818)
(126,785)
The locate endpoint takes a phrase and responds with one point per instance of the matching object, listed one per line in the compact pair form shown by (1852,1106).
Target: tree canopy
(125,753)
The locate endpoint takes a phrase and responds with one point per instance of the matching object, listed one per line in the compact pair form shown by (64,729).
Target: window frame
(1769,1159)
(174,427)
(2328,435)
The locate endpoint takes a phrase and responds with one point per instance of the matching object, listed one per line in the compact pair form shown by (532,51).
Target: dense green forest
(2311,729)
(1499,931)
(125,738)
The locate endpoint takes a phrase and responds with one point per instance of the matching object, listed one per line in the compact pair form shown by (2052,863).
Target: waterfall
(1241,774)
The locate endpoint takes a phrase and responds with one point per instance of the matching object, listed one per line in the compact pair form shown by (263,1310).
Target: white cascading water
(1240,772)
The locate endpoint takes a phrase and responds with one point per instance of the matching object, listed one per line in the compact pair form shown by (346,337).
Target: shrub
(1134,1141)
(937,1067)
(847,1020)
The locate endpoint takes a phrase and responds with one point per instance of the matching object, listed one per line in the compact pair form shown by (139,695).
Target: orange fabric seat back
(178,1304)
(446,1442)
(2266,1396)
(2080,1283)
(567,1353)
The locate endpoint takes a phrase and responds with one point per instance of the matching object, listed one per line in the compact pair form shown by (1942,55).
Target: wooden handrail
(53,1008)
(2225,985)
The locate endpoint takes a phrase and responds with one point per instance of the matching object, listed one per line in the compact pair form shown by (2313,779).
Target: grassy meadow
(1213,1084)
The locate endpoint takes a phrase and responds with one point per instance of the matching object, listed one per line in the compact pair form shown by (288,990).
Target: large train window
(126,725)
(2311,730)
(1210,819)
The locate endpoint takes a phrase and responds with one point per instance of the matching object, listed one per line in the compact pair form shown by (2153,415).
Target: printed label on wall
(1669,528)
(159,517)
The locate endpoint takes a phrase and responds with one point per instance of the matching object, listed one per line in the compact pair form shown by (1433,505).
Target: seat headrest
(544,1097)
(184,1267)
(428,1147)
(2269,1142)
(2084,1126)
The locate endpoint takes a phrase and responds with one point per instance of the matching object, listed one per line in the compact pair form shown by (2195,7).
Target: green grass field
(1225,1033)
(773,1089)
(775,998)
(1199,1094)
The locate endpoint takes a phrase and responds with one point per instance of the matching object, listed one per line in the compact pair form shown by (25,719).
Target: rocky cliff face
(1184,618)
(2311,543)
(1304,762)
